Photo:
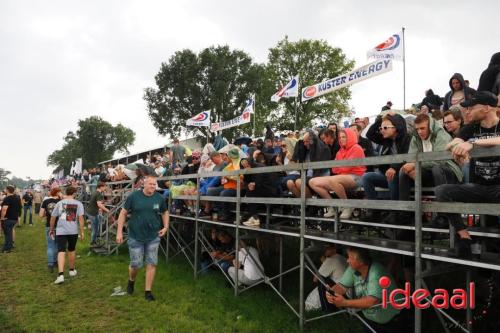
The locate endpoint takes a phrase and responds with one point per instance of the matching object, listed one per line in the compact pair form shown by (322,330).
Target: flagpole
(254,115)
(295,123)
(404,71)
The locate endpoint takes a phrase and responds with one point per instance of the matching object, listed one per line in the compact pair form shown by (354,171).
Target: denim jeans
(51,249)
(26,209)
(370,180)
(96,227)
(8,226)
(433,176)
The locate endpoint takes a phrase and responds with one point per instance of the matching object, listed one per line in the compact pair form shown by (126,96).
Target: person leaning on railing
(484,185)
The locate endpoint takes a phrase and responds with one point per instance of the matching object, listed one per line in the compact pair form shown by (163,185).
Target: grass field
(30,302)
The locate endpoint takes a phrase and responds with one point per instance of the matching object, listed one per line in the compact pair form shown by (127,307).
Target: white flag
(250,104)
(392,48)
(200,120)
(290,90)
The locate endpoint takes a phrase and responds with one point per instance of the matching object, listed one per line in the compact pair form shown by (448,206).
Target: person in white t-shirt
(248,266)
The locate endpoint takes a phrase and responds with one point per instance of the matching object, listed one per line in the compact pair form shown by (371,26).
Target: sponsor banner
(290,90)
(392,48)
(201,119)
(240,120)
(362,73)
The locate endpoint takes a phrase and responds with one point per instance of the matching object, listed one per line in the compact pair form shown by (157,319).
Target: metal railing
(415,249)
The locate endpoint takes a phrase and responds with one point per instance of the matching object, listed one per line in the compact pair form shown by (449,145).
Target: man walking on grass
(69,213)
(147,224)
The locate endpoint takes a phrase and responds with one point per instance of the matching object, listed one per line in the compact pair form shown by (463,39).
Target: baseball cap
(481,97)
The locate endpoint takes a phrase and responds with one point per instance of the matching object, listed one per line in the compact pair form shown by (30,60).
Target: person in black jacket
(490,78)
(459,92)
(257,185)
(309,149)
(432,100)
(389,132)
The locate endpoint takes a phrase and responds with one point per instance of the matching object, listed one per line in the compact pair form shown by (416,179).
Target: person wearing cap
(484,182)
(229,183)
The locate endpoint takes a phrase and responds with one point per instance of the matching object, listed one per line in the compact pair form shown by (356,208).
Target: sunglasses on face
(385,128)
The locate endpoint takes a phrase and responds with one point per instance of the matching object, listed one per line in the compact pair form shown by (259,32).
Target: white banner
(363,73)
(201,119)
(392,48)
(240,120)
(290,90)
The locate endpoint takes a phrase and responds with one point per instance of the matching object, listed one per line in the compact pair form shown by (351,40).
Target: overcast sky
(61,61)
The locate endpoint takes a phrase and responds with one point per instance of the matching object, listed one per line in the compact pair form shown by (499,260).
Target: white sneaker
(252,222)
(330,212)
(72,273)
(59,280)
(346,213)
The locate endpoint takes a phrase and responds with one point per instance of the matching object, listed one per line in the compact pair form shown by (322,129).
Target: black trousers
(468,193)
(432,176)
(253,208)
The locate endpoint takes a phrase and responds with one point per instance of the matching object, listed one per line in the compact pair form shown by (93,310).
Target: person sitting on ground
(429,137)
(484,182)
(309,149)
(453,121)
(390,133)
(69,213)
(363,275)
(247,265)
(223,255)
(333,266)
(344,178)
(330,138)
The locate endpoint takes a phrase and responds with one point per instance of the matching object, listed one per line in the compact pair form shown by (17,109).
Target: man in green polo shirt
(363,276)
(147,224)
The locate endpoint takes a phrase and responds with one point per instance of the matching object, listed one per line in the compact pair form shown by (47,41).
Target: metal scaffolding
(437,258)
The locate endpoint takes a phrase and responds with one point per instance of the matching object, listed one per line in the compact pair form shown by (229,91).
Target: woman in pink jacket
(344,178)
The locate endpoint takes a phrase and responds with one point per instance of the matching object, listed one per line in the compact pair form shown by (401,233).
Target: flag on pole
(200,120)
(290,90)
(250,104)
(392,48)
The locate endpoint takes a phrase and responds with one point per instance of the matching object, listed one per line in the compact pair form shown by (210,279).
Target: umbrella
(243,140)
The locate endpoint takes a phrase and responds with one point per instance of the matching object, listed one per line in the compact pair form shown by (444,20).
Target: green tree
(217,79)
(314,61)
(95,141)
(3,178)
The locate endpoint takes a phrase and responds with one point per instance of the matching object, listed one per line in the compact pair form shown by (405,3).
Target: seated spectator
(257,185)
(363,142)
(330,138)
(363,276)
(333,266)
(391,134)
(268,147)
(453,121)
(230,184)
(345,178)
(387,106)
(285,158)
(213,185)
(247,265)
(429,137)
(310,149)
(277,146)
(484,183)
